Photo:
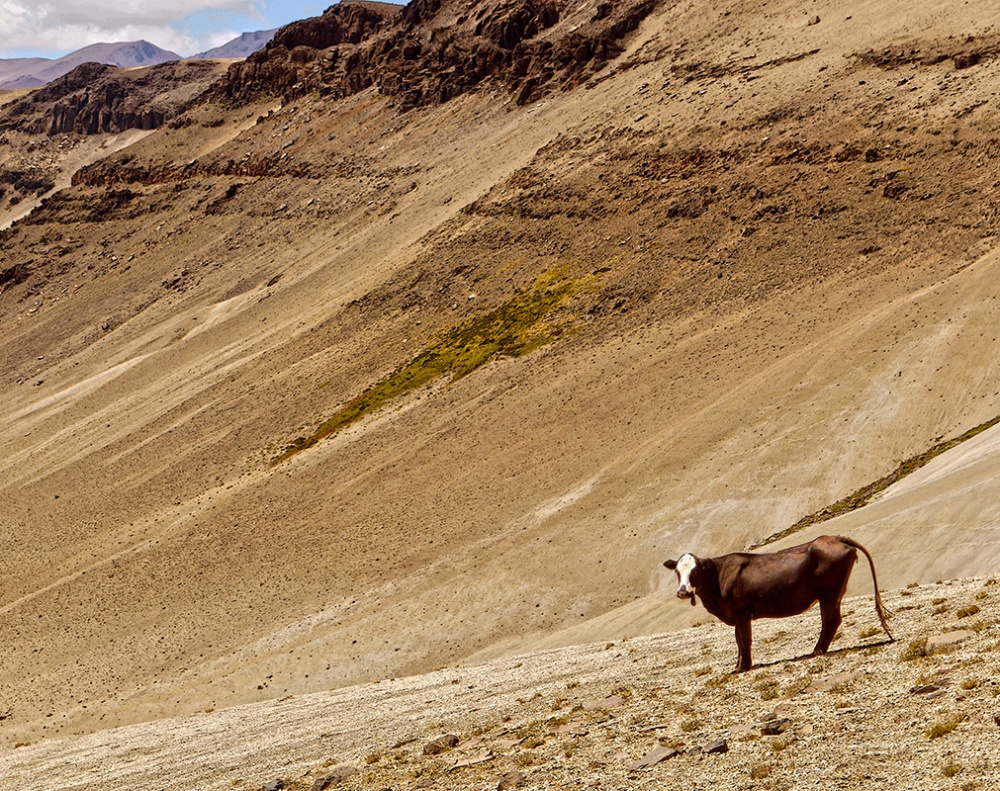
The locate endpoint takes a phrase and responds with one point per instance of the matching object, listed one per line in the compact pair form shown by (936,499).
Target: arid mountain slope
(741,269)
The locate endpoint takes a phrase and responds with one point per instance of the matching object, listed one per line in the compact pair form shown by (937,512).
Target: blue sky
(52,28)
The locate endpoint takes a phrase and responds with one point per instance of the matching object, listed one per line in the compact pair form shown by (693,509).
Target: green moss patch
(514,328)
(865,494)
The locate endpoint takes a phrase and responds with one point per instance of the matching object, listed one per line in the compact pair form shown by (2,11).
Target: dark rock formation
(95,98)
(431,51)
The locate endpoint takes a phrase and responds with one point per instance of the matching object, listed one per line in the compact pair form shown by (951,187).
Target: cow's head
(688,573)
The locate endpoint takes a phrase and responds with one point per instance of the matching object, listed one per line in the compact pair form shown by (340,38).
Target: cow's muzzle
(686,593)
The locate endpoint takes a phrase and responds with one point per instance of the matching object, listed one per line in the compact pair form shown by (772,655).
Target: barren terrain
(662,712)
(336,379)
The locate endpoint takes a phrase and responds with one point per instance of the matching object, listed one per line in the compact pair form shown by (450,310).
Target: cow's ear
(670,564)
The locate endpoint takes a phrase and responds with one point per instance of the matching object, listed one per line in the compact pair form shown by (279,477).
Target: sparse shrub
(793,688)
(939,601)
(841,688)
(690,726)
(720,681)
(970,683)
(870,632)
(982,595)
(965,612)
(950,770)
(778,745)
(760,771)
(944,727)
(917,649)
(373,758)
(768,689)
(532,742)
(702,671)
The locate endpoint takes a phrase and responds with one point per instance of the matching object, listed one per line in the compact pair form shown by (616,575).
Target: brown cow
(740,587)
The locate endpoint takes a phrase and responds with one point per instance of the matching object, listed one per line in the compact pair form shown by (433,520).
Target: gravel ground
(870,714)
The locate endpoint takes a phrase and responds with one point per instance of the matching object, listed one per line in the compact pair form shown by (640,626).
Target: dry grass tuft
(944,727)
(760,771)
(917,649)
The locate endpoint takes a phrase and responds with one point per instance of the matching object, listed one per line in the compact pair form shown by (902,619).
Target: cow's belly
(780,603)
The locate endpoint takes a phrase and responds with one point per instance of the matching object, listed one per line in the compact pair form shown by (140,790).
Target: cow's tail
(882,612)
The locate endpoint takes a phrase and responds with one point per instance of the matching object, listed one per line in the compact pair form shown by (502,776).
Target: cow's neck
(710,594)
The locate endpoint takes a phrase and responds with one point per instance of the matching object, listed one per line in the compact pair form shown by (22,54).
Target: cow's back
(787,582)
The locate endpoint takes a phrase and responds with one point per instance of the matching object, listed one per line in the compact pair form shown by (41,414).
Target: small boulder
(775,727)
(658,755)
(966,60)
(441,744)
(511,780)
(611,702)
(715,747)
(336,775)
(275,785)
(928,689)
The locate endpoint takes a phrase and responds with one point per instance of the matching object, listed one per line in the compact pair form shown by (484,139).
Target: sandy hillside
(721,280)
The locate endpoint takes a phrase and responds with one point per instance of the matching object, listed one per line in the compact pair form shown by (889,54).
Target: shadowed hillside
(593,285)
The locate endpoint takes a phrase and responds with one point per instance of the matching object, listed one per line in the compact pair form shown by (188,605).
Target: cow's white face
(685,588)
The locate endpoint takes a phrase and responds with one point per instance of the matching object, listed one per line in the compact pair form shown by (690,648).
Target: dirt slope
(767,252)
(870,713)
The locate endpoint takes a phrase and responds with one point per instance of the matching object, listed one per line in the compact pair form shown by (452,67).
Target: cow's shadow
(849,649)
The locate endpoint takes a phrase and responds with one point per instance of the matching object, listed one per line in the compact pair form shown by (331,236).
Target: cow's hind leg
(829,609)
(744,636)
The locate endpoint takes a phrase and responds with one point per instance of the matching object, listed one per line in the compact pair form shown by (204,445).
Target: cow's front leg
(743,639)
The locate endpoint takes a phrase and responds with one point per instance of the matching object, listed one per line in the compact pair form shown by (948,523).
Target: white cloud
(65,25)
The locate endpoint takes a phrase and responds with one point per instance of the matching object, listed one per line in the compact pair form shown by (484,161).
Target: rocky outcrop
(431,51)
(283,67)
(96,98)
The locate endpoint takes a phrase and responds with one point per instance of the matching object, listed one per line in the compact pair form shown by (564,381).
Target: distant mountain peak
(241,46)
(34,72)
